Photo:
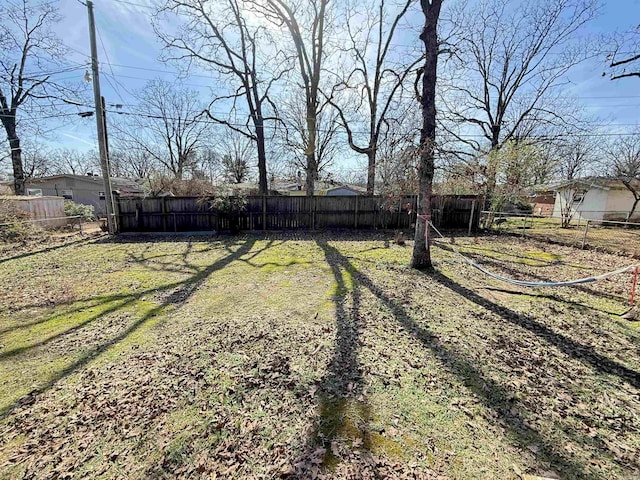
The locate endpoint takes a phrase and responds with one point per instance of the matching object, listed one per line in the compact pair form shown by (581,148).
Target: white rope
(537,284)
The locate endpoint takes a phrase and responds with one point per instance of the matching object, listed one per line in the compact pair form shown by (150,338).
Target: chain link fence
(605,235)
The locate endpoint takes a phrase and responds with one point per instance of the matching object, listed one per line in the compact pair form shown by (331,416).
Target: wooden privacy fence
(187,214)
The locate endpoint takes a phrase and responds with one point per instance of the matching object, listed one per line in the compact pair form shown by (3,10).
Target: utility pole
(100,124)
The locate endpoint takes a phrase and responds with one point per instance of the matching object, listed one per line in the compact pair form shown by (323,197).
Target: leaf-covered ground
(314,356)
(610,239)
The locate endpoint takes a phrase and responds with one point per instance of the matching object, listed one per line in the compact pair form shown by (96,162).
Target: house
(321,187)
(542,200)
(596,198)
(85,189)
(345,190)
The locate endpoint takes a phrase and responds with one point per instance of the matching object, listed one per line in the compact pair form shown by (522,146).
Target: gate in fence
(186,214)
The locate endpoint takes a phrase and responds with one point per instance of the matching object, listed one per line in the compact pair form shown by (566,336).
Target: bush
(224,204)
(72,209)
(229,207)
(14,224)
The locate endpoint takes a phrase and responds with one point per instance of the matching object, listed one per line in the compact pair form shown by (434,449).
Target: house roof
(602,183)
(353,188)
(125,185)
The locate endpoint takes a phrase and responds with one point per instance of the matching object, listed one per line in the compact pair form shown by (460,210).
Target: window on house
(578,197)
(67,194)
(101,195)
(34,192)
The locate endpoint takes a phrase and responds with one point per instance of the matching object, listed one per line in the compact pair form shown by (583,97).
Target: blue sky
(129,54)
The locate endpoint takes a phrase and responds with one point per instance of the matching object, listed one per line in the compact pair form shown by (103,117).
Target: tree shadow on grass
(47,250)
(566,345)
(483,260)
(552,297)
(494,396)
(343,412)
(181,292)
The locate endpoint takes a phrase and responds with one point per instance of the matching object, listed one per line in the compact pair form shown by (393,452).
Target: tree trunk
(16,161)
(492,167)
(263,188)
(311,172)
(310,153)
(421,258)
(371,172)
(634,206)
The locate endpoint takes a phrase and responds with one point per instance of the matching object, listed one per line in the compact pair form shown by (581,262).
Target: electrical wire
(115,87)
(364,132)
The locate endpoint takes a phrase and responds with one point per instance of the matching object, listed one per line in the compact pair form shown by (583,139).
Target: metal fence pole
(473,207)
(584,238)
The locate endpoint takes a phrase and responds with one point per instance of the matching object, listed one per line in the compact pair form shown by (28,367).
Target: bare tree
(217,36)
(296,134)
(237,158)
(510,58)
(421,258)
(396,157)
(375,77)
(30,55)
(624,59)
(577,155)
(131,163)
(67,160)
(624,155)
(37,159)
(166,126)
(308,40)
(209,165)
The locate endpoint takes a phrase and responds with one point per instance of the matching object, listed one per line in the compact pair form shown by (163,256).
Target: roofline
(580,182)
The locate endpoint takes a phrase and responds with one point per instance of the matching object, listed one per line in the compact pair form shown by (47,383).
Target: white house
(596,198)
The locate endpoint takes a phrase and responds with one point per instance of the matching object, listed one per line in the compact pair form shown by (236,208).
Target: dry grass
(611,239)
(313,356)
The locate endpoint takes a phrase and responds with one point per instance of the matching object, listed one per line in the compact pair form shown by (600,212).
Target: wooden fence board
(184,214)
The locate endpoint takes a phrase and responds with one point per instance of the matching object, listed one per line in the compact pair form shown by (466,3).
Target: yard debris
(399,375)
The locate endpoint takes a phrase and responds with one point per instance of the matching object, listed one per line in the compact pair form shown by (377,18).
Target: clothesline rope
(524,283)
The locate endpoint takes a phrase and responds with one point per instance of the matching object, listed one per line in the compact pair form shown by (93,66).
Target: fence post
(139,220)
(584,238)
(80,225)
(355,216)
(473,208)
(264,212)
(313,212)
(634,282)
(164,214)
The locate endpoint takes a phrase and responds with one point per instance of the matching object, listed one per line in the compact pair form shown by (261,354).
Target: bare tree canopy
(624,59)
(167,126)
(576,156)
(295,136)
(29,57)
(306,23)
(624,165)
(217,36)
(237,158)
(375,75)
(509,58)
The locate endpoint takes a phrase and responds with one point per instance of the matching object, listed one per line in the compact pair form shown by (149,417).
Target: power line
(115,88)
(151,7)
(132,67)
(271,126)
